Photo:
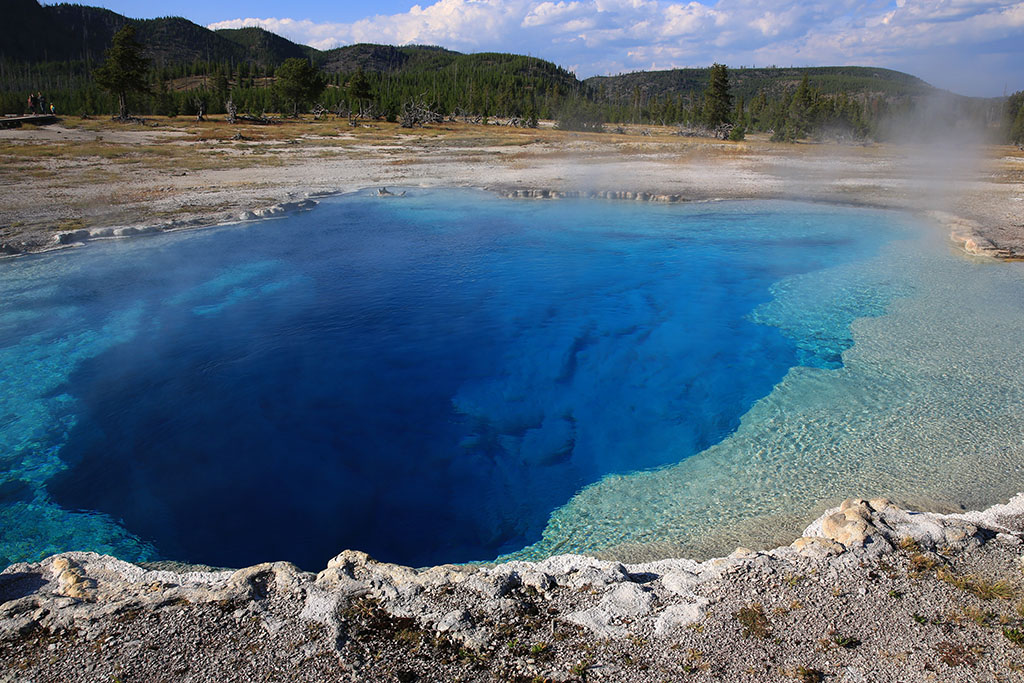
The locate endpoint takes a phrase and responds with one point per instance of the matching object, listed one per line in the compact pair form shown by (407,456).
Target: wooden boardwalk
(15,120)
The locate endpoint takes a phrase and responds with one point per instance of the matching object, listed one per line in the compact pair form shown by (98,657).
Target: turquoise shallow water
(455,377)
(927,408)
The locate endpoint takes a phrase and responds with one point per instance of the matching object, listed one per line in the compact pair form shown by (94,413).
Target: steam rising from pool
(455,377)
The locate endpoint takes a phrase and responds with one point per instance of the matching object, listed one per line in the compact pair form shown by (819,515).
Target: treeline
(788,115)
(513,86)
(480,84)
(1013,121)
(808,109)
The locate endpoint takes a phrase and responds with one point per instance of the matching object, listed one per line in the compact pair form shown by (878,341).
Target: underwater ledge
(862,594)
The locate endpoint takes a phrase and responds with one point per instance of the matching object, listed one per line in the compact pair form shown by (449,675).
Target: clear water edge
(838,423)
(925,410)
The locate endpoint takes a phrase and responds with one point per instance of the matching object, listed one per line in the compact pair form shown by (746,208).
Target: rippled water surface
(451,377)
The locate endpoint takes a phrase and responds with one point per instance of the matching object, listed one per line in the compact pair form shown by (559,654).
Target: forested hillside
(748,82)
(193,68)
(263,47)
(793,103)
(55,50)
(69,33)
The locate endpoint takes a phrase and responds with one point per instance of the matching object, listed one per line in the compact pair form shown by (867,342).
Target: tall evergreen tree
(1015,117)
(717,96)
(360,90)
(800,110)
(298,82)
(1017,131)
(124,69)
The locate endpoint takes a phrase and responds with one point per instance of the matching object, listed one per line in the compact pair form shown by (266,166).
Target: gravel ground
(871,593)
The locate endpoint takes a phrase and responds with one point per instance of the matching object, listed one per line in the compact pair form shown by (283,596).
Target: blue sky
(973,47)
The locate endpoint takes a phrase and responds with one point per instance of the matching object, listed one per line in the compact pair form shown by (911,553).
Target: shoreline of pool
(866,589)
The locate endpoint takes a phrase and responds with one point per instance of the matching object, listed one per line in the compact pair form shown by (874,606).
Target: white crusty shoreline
(964,233)
(870,592)
(978,191)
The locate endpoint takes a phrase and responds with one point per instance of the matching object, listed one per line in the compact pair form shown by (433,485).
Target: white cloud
(550,12)
(688,19)
(612,35)
(322,36)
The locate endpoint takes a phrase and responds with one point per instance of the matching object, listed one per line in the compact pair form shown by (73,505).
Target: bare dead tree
(521,122)
(365,111)
(465,116)
(232,110)
(720,132)
(341,110)
(416,113)
(258,120)
(319,112)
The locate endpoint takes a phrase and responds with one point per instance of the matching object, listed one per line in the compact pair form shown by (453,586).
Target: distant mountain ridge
(65,32)
(70,32)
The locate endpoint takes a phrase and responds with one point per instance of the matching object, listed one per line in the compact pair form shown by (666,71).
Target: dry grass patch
(69,224)
(103,123)
(753,620)
(806,675)
(979,617)
(922,563)
(977,586)
(954,654)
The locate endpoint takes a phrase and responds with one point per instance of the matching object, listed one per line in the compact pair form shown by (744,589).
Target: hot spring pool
(452,377)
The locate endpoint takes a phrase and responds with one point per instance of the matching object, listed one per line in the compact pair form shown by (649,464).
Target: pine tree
(124,69)
(758,109)
(1015,121)
(165,104)
(799,119)
(298,82)
(221,86)
(717,97)
(1017,131)
(360,90)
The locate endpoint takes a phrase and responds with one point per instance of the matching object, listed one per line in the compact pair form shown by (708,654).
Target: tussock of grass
(979,617)
(953,654)
(806,675)
(845,642)
(977,586)
(921,563)
(753,620)
(1015,636)
(909,544)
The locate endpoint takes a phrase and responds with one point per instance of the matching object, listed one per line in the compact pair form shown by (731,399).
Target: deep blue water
(423,378)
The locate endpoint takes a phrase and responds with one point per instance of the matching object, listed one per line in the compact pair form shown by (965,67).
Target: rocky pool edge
(966,234)
(82,593)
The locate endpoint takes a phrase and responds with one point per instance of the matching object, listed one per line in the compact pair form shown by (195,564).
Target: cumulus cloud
(689,19)
(942,40)
(547,13)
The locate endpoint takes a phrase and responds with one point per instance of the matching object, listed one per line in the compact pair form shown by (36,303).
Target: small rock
(456,620)
(676,617)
